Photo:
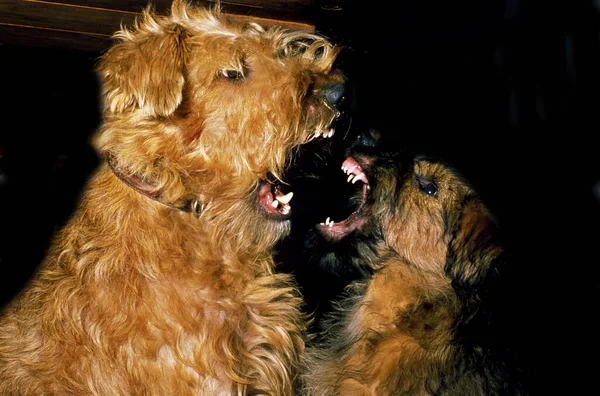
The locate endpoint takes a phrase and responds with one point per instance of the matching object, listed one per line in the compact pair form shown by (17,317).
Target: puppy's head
(420,210)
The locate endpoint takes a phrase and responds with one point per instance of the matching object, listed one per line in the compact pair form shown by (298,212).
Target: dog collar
(149,190)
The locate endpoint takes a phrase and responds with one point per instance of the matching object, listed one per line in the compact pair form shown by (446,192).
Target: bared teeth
(275,203)
(354,174)
(285,199)
(328,222)
(326,134)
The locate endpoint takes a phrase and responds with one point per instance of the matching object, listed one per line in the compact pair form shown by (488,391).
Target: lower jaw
(342,229)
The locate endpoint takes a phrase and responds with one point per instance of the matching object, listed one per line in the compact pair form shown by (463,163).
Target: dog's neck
(149,190)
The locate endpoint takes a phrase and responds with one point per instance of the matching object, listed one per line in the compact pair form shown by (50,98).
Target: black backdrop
(508,92)
(505,90)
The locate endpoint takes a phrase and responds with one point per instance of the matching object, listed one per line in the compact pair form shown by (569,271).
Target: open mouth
(272,197)
(274,201)
(356,179)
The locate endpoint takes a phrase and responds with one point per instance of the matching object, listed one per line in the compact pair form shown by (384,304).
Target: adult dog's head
(204,114)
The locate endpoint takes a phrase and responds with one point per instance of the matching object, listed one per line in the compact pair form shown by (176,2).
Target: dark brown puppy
(417,324)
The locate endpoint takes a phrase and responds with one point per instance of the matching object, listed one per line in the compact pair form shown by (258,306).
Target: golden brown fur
(168,287)
(417,325)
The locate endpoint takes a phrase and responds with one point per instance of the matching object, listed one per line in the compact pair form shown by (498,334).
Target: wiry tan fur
(136,297)
(412,327)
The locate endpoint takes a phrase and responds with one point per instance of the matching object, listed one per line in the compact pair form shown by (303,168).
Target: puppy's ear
(474,246)
(144,71)
(477,263)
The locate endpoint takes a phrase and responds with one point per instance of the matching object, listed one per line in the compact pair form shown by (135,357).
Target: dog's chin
(346,258)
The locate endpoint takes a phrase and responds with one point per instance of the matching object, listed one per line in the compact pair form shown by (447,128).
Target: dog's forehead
(235,41)
(444,176)
(432,169)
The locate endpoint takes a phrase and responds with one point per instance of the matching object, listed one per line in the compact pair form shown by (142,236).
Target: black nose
(370,138)
(335,94)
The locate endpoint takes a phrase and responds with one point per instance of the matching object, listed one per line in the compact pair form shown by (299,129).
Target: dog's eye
(232,74)
(427,186)
(430,189)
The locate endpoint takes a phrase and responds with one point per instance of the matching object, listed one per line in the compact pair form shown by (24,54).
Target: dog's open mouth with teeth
(275,198)
(359,188)
(274,201)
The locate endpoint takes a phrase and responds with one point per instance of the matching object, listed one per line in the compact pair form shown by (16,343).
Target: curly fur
(137,297)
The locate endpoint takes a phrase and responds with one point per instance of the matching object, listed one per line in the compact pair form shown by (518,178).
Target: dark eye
(232,74)
(430,189)
(427,186)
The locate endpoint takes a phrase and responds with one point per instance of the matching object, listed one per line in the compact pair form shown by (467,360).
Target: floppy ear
(477,263)
(145,70)
(474,246)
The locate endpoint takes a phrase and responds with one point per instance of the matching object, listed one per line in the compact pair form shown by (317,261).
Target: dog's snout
(371,138)
(335,94)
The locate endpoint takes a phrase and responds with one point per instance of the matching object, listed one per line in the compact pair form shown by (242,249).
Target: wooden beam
(88,25)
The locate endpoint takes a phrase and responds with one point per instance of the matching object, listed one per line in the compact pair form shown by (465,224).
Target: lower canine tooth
(286,198)
(275,203)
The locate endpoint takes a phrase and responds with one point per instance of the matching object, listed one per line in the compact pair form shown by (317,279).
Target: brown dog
(418,324)
(162,282)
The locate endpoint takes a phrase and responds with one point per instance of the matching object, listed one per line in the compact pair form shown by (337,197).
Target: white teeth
(285,210)
(285,199)
(352,177)
(275,203)
(328,222)
(326,134)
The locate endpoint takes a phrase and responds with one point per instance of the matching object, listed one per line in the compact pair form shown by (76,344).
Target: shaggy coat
(163,280)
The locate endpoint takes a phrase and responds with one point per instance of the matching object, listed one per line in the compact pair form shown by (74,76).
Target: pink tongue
(351,164)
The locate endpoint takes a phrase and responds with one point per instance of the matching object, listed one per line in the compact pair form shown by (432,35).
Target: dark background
(507,91)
